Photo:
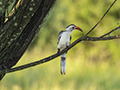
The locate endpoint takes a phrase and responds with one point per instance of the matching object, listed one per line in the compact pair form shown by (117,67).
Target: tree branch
(101,18)
(101,39)
(110,31)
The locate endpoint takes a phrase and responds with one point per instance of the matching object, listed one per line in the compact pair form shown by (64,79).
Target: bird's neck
(68,31)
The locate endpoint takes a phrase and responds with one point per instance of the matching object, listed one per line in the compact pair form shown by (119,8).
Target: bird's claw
(58,51)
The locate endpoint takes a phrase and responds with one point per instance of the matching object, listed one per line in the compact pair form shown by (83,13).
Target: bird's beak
(78,28)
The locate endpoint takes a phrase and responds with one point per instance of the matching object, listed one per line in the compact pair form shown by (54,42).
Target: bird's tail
(63,63)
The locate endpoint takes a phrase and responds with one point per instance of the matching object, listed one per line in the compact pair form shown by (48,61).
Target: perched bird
(64,38)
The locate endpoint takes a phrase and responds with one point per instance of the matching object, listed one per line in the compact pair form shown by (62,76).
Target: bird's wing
(59,36)
(70,37)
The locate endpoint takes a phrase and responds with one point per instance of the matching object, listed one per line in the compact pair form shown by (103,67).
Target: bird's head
(72,27)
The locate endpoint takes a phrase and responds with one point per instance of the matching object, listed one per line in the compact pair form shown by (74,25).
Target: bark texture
(18,29)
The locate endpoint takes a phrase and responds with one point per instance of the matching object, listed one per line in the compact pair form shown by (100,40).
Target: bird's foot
(58,51)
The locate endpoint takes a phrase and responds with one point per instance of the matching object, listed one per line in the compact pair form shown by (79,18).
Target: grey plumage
(59,36)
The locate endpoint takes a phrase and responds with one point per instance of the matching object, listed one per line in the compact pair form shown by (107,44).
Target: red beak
(78,28)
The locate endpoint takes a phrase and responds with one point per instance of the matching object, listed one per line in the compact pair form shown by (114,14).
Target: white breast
(64,40)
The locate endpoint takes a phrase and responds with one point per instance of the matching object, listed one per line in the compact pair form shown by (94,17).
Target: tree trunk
(19,28)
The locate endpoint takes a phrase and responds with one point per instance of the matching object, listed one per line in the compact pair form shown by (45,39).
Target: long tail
(63,63)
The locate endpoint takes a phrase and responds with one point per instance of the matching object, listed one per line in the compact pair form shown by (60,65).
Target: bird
(64,39)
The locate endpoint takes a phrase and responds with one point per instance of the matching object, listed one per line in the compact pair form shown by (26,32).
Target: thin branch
(110,32)
(101,39)
(101,18)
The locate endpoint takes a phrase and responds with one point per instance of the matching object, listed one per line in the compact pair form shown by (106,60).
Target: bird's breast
(64,40)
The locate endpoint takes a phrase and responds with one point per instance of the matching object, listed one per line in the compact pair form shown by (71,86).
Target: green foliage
(90,65)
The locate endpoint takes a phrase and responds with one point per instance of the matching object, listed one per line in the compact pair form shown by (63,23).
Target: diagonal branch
(101,39)
(110,31)
(102,17)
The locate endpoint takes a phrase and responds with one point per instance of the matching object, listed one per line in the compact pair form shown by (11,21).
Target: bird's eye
(72,27)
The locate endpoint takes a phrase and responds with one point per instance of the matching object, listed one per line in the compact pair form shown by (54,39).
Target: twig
(110,32)
(101,18)
(101,39)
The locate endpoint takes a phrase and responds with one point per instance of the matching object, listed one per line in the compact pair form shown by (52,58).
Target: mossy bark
(22,25)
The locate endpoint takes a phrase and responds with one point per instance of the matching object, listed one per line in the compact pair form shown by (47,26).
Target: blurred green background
(90,65)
